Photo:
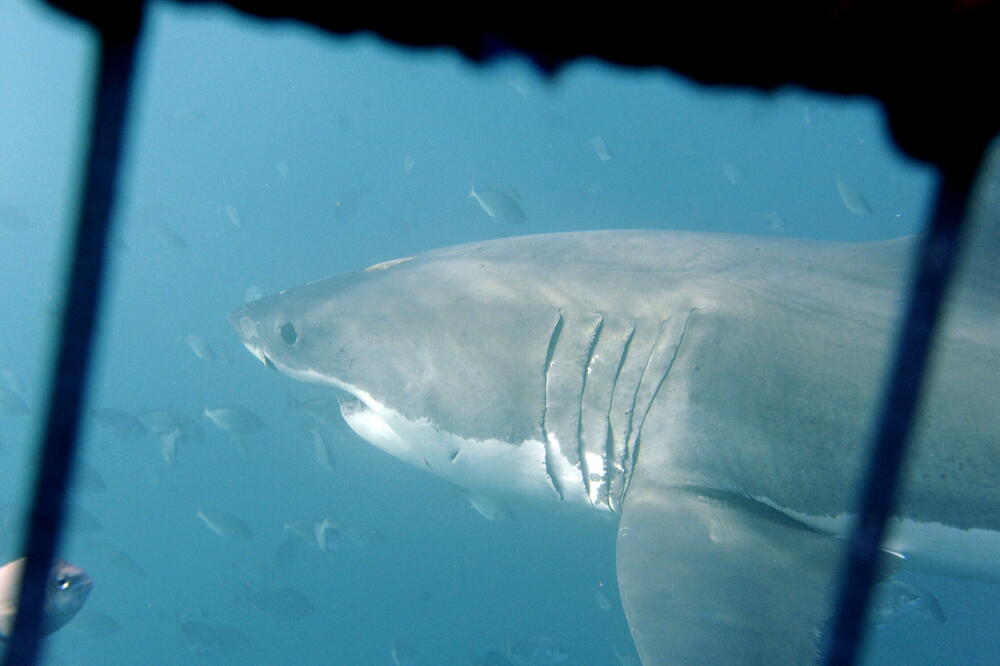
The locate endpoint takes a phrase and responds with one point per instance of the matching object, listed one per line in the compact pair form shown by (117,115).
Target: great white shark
(713,392)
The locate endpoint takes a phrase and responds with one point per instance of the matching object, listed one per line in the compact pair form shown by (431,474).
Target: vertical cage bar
(934,267)
(119,38)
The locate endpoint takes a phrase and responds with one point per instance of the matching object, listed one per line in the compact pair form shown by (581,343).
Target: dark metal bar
(934,267)
(118,45)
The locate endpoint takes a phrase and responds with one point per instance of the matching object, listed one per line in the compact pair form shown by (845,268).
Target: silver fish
(303,530)
(168,237)
(287,551)
(225,524)
(281,601)
(404,654)
(86,478)
(117,422)
(83,521)
(115,556)
(68,588)
(601,599)
(498,205)
(201,349)
(733,172)
(233,214)
(853,200)
(208,640)
(322,410)
(160,422)
(895,599)
(600,147)
(170,446)
(234,419)
(488,507)
(328,535)
(321,450)
(777,222)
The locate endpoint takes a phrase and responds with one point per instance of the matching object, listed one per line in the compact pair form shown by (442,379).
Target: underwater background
(262,156)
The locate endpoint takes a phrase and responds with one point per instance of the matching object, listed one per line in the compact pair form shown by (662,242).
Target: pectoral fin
(710,579)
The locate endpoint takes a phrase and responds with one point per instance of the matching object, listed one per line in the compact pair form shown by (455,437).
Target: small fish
(282,169)
(233,214)
(303,530)
(321,450)
(67,590)
(488,507)
(733,172)
(328,535)
(211,641)
(198,345)
(281,601)
(895,599)
(853,200)
(538,651)
(115,556)
(600,147)
(82,521)
(170,446)
(498,205)
(408,164)
(117,422)
(234,419)
(11,404)
(86,478)
(287,551)
(323,410)
(225,524)
(404,654)
(253,293)
(161,422)
(168,237)
(777,223)
(601,599)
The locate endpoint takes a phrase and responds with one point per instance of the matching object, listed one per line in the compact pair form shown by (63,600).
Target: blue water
(285,126)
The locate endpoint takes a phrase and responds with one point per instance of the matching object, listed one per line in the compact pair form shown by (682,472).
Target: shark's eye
(288,333)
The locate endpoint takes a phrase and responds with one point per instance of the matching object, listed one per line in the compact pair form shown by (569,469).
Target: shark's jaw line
(490,466)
